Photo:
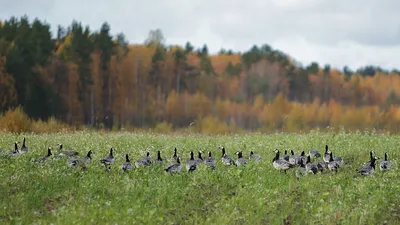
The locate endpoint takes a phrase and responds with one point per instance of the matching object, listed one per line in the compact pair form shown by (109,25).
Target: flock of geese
(328,162)
(302,162)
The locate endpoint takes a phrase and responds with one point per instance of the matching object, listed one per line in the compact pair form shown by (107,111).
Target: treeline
(86,77)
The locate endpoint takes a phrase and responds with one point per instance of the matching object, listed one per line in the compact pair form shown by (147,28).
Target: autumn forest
(85,77)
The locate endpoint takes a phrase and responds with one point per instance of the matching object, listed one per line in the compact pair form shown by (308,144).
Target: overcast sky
(338,32)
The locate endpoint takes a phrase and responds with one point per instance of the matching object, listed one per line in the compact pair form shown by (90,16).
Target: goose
(199,160)
(338,160)
(254,157)
(67,153)
(88,157)
(14,152)
(23,149)
(158,160)
(314,153)
(127,165)
(210,161)
(191,165)
(385,164)
(302,156)
(371,155)
(174,167)
(280,164)
(75,161)
(369,168)
(146,161)
(332,165)
(226,159)
(285,156)
(301,171)
(321,166)
(294,159)
(326,155)
(311,167)
(42,159)
(240,160)
(175,156)
(109,159)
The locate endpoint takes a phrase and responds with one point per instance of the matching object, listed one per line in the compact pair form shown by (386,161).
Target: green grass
(254,194)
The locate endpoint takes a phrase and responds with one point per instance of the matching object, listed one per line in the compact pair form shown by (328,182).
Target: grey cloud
(324,22)
(236,23)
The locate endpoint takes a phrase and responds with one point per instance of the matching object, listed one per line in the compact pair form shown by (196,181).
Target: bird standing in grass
(314,153)
(254,157)
(210,161)
(371,155)
(145,161)
(294,159)
(226,159)
(24,149)
(158,160)
(108,160)
(199,159)
(75,161)
(280,164)
(311,167)
(67,153)
(126,166)
(240,160)
(385,164)
(369,168)
(332,165)
(301,171)
(42,159)
(191,165)
(174,167)
(285,156)
(326,154)
(15,151)
(321,166)
(338,160)
(174,156)
(88,157)
(302,156)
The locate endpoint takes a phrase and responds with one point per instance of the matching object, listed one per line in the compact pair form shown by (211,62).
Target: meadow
(257,193)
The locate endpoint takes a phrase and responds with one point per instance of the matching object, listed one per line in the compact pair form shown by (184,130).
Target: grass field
(31,193)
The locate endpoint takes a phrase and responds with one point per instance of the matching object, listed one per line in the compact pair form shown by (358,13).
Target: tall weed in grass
(50,126)
(34,193)
(16,121)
